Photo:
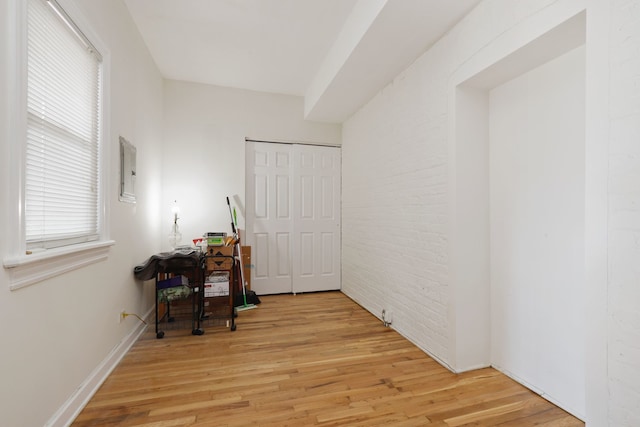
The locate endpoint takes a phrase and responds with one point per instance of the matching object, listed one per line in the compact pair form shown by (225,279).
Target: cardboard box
(219,258)
(246,265)
(216,284)
(220,251)
(217,276)
(219,263)
(216,289)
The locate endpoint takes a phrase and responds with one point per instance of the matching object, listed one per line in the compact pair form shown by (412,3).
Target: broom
(236,236)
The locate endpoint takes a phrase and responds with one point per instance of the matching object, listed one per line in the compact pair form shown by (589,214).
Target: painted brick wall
(395,243)
(624,214)
(395,183)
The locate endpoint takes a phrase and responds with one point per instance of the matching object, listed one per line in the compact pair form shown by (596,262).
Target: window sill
(26,270)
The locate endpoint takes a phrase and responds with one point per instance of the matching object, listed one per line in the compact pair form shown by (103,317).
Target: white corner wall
(397,181)
(468,228)
(617,66)
(398,178)
(537,225)
(61,336)
(204,149)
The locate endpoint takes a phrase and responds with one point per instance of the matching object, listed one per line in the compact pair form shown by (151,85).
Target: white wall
(396,183)
(395,195)
(537,229)
(65,332)
(621,104)
(57,332)
(397,176)
(204,149)
(394,206)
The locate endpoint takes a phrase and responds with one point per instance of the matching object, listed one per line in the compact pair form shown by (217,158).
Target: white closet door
(269,216)
(316,222)
(293,217)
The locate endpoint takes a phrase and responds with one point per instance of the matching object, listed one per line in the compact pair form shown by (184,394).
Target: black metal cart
(171,294)
(217,297)
(171,291)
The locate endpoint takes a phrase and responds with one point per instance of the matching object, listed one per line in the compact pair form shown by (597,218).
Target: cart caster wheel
(233,328)
(159,334)
(197,332)
(171,319)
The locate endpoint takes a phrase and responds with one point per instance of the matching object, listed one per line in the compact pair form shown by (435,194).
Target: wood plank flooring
(306,360)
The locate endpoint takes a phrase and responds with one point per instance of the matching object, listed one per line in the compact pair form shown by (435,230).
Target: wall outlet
(122,315)
(387,317)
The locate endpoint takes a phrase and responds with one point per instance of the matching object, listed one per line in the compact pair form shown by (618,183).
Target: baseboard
(471,368)
(541,393)
(65,415)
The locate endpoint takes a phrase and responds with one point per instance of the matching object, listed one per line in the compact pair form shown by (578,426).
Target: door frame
(249,205)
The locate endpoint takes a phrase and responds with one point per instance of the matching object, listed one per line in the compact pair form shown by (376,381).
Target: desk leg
(197,303)
(159,334)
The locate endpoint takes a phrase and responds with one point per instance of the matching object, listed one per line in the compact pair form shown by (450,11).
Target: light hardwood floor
(306,360)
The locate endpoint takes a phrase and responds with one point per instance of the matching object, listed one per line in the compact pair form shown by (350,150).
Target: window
(57,131)
(62,188)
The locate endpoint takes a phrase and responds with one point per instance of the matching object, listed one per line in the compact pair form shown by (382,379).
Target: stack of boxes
(219,262)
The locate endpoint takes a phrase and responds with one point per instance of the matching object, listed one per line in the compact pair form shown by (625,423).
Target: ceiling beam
(378,41)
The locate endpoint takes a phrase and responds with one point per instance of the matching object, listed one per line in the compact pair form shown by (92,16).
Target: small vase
(175,237)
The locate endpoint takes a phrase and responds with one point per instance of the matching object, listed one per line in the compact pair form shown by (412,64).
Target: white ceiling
(335,53)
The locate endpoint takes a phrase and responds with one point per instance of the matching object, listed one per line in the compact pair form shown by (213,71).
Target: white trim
(27,270)
(17,123)
(597,156)
(65,415)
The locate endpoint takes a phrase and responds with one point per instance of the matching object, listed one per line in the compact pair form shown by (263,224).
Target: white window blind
(62,176)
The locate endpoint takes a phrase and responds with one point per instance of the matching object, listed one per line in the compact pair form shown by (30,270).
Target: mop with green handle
(236,237)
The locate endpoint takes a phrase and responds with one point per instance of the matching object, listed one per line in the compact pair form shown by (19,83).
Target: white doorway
(518,216)
(537,220)
(293,217)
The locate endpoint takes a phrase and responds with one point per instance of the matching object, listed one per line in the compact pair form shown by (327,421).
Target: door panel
(293,217)
(269,216)
(283,256)
(328,259)
(316,212)
(261,186)
(306,254)
(260,245)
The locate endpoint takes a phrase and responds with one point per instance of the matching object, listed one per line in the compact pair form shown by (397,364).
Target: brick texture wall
(624,214)
(395,192)
(395,242)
